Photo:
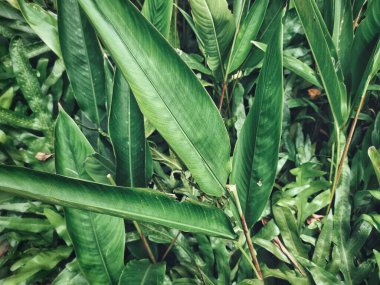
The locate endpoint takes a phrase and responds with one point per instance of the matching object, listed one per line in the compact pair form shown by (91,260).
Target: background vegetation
(153,142)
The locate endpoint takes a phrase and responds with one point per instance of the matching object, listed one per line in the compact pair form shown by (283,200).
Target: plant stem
(222,96)
(145,242)
(232,188)
(170,246)
(345,151)
(140,232)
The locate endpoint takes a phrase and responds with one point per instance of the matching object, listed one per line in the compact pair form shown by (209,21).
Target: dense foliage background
(90,90)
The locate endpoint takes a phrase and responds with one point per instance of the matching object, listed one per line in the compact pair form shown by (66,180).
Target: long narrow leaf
(98,239)
(159,13)
(166,90)
(83,59)
(256,151)
(130,203)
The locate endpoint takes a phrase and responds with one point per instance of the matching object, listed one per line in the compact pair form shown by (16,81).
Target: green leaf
(42,261)
(216,27)
(126,130)
(289,231)
(247,33)
(374,155)
(366,36)
(159,13)
(181,110)
(256,152)
(59,223)
(31,225)
(71,275)
(123,202)
(322,248)
(343,33)
(98,167)
(83,59)
(325,57)
(140,272)
(43,23)
(98,239)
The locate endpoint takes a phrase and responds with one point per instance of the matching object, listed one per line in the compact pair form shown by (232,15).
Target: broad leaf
(256,151)
(325,57)
(138,204)
(181,110)
(159,13)
(83,59)
(126,130)
(98,239)
(247,33)
(142,272)
(215,26)
(43,23)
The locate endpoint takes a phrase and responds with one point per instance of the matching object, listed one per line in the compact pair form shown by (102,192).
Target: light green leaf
(216,27)
(374,155)
(43,23)
(197,133)
(159,13)
(123,202)
(322,248)
(256,151)
(83,59)
(31,225)
(98,239)
(71,275)
(247,33)
(325,57)
(142,272)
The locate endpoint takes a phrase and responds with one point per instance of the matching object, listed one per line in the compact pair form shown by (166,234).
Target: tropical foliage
(189,142)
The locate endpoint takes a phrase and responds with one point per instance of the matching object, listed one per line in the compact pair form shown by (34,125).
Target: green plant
(136,141)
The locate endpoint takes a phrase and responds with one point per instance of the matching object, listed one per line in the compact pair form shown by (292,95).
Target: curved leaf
(256,152)
(325,57)
(126,130)
(181,110)
(374,156)
(137,204)
(216,27)
(159,13)
(98,239)
(43,23)
(142,272)
(366,36)
(247,33)
(83,59)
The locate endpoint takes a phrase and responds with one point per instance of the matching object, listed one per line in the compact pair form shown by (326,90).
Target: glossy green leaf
(130,203)
(126,130)
(159,13)
(196,134)
(59,223)
(31,225)
(83,59)
(297,66)
(98,239)
(325,57)
(256,151)
(43,23)
(366,36)
(142,272)
(343,33)
(374,155)
(248,31)
(98,167)
(71,275)
(216,27)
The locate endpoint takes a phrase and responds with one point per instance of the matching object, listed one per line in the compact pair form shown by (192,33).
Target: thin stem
(170,246)
(232,189)
(222,96)
(282,247)
(140,232)
(345,151)
(145,242)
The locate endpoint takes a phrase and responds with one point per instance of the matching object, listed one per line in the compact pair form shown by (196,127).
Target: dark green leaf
(142,272)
